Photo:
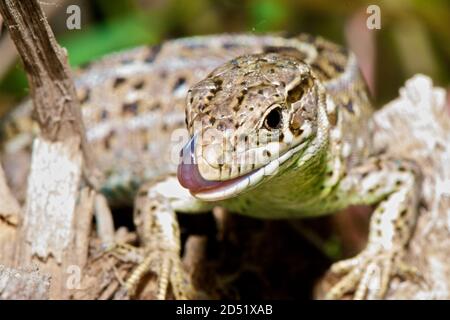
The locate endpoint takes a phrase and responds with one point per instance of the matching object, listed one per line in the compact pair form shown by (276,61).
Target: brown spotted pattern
(134,107)
(257,107)
(134,101)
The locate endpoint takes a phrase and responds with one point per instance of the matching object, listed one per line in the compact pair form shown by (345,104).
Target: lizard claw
(166,265)
(368,274)
(172,271)
(159,247)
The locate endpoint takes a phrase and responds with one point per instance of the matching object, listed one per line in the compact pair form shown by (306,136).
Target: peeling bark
(51,197)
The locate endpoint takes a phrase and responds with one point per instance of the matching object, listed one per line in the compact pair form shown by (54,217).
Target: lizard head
(246,120)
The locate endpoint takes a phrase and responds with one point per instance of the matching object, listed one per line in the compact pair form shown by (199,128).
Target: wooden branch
(51,197)
(56,107)
(7,50)
(51,88)
(54,231)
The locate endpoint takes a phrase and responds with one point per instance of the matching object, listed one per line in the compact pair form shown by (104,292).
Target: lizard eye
(273,119)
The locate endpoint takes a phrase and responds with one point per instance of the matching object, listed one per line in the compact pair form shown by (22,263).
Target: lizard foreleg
(158,230)
(394,185)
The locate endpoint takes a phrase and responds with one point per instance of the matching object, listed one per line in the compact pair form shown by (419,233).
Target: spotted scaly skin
(293,119)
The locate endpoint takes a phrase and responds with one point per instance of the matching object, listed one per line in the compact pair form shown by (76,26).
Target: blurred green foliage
(415,35)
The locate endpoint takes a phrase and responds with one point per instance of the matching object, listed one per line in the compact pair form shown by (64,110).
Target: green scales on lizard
(277,128)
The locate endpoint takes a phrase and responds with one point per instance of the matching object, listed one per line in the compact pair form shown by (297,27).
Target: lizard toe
(367,275)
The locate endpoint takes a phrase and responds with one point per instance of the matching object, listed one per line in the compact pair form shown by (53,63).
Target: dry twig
(50,236)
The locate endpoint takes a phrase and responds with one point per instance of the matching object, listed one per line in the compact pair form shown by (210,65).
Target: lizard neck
(295,189)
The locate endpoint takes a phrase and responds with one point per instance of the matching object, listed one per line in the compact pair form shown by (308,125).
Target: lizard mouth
(209,190)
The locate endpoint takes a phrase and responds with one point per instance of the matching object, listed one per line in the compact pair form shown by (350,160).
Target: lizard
(269,126)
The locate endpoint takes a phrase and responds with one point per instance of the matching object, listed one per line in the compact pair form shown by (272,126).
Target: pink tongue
(188,173)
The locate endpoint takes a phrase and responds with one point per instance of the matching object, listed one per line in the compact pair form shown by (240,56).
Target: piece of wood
(9,207)
(7,50)
(104,221)
(56,107)
(52,237)
(51,197)
(23,284)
